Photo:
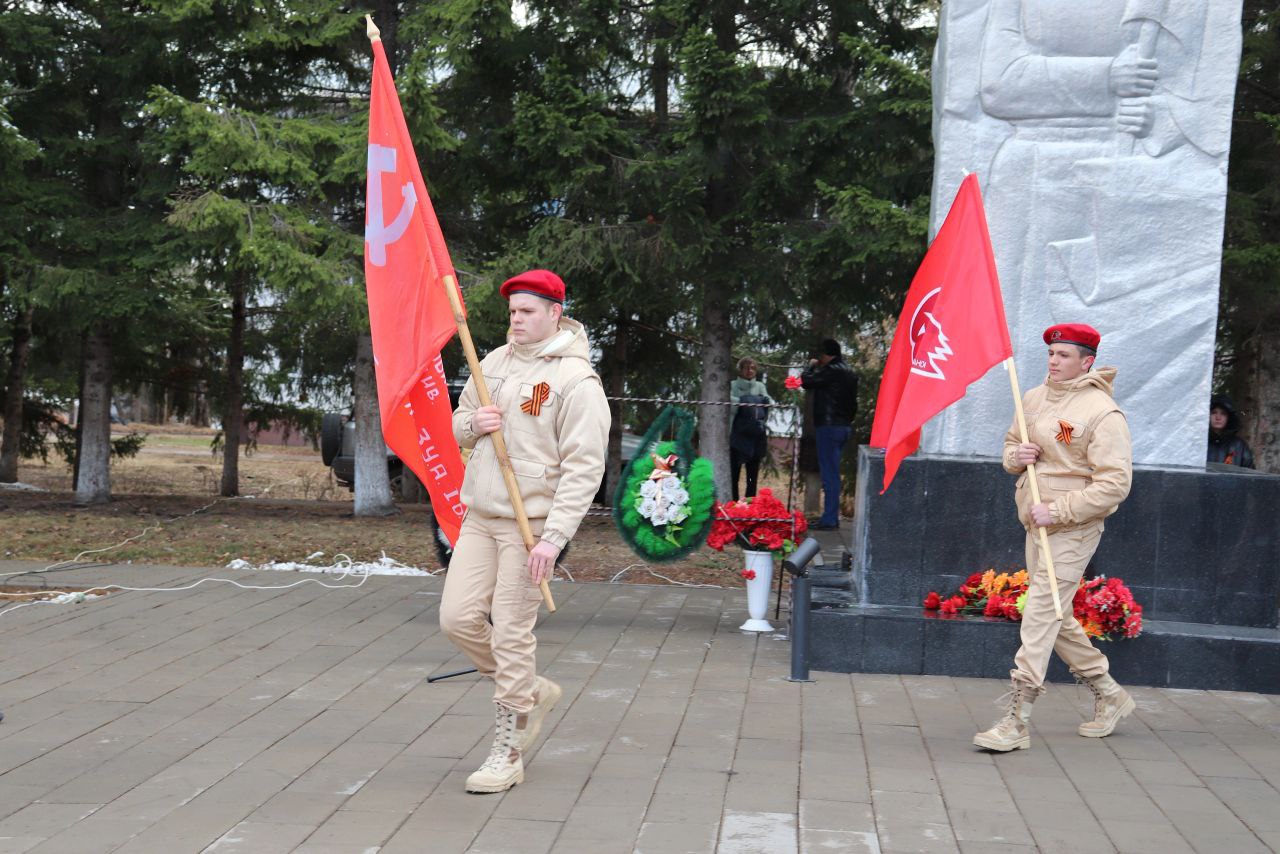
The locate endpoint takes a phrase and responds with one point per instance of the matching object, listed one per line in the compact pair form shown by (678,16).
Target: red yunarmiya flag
(951,331)
(405,262)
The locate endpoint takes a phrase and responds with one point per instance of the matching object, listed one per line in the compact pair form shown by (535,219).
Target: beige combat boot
(545,696)
(1110,704)
(1011,732)
(504,768)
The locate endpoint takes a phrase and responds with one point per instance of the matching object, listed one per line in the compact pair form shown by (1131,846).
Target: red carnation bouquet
(1106,609)
(762,523)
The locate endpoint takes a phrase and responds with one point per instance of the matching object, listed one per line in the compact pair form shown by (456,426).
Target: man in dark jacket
(835,402)
(1225,446)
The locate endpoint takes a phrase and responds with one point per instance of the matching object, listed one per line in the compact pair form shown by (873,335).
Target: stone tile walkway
(229,720)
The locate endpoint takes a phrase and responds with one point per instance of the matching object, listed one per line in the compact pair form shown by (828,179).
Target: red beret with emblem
(540,283)
(1073,333)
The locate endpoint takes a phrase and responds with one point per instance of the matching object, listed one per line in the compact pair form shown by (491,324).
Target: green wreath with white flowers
(663,504)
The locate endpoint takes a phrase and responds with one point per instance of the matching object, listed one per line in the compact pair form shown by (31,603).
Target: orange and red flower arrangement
(1104,606)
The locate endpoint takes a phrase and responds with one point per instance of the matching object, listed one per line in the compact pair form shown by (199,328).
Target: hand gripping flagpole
(499,444)
(1035,488)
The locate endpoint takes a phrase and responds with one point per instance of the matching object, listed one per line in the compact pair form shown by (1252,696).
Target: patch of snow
(751,832)
(21,487)
(612,694)
(354,787)
(341,565)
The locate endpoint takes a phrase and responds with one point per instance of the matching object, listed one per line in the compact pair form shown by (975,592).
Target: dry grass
(166,501)
(179,459)
(203,531)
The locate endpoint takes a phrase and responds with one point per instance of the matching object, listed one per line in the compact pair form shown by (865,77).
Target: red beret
(540,283)
(1073,333)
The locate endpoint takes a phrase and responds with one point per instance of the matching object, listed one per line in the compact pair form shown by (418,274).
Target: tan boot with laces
(1111,703)
(545,696)
(504,768)
(1011,732)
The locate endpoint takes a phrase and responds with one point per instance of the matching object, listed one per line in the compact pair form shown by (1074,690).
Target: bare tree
(1257,374)
(14,387)
(719,281)
(717,354)
(372,485)
(93,473)
(233,420)
(617,388)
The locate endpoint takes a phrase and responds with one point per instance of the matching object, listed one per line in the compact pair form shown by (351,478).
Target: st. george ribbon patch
(533,406)
(1064,432)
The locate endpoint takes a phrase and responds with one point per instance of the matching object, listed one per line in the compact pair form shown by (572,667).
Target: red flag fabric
(951,331)
(405,262)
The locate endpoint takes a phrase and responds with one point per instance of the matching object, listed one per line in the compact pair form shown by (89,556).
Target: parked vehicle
(338,444)
(338,449)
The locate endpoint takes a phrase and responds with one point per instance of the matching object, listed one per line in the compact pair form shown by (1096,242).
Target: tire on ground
(330,436)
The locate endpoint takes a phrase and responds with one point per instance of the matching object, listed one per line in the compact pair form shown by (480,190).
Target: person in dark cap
(551,407)
(835,402)
(1225,446)
(1078,438)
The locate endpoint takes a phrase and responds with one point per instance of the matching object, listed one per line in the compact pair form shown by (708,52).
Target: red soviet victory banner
(951,331)
(405,263)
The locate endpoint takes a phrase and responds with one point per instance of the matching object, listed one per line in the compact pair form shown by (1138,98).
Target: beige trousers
(490,605)
(1040,632)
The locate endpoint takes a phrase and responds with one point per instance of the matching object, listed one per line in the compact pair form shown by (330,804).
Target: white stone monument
(1099,131)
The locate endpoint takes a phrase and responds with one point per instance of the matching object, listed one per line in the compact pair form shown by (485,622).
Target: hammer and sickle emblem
(377,232)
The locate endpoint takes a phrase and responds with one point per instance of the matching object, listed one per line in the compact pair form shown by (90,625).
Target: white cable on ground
(684,583)
(63,598)
(68,596)
(342,565)
(627,569)
(148,529)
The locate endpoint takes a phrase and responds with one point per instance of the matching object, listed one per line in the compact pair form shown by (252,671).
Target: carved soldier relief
(1099,130)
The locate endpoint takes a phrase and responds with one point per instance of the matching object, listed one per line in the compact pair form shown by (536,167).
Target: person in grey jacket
(748,436)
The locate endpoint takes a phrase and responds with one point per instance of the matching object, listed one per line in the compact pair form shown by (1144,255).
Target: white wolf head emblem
(928,342)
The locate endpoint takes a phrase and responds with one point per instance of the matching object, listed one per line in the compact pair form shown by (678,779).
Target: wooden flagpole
(499,444)
(1035,488)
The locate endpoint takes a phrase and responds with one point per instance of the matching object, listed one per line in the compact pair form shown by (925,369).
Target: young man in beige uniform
(1079,441)
(552,411)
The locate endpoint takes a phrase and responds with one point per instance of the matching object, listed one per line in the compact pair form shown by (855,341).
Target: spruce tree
(1249,316)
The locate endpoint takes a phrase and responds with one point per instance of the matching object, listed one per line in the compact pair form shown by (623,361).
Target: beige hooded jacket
(557,447)
(1085,466)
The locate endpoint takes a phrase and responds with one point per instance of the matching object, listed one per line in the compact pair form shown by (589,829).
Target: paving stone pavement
(227,720)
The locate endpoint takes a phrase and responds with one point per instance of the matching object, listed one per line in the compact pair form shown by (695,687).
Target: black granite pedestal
(1199,549)
(899,639)
(1193,545)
